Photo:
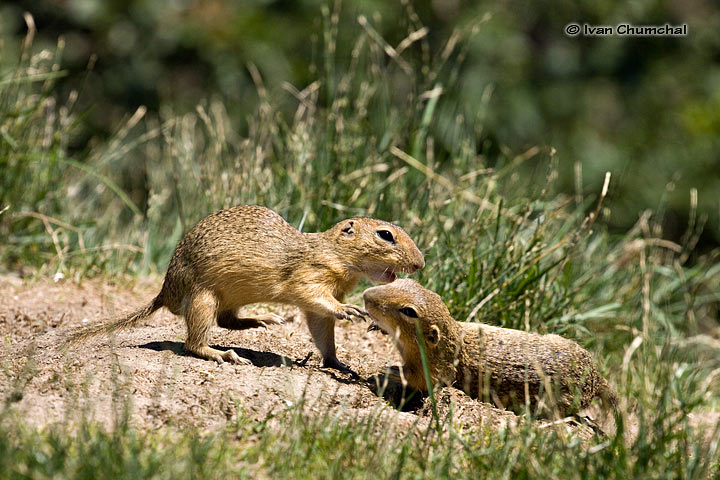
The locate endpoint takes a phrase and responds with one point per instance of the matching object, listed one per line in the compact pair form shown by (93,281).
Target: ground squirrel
(495,364)
(250,254)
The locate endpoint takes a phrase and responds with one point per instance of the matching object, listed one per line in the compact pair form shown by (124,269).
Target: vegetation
(326,447)
(645,108)
(504,244)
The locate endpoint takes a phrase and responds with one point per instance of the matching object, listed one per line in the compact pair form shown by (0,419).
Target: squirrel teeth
(373,327)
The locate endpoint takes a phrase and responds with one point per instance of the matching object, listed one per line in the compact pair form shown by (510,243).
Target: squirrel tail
(126,321)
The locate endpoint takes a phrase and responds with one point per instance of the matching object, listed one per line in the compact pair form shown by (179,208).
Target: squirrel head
(378,249)
(399,306)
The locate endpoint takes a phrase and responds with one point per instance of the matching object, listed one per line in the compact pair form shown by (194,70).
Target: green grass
(337,446)
(501,248)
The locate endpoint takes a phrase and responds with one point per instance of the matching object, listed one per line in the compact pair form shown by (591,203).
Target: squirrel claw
(336,364)
(349,311)
(230,356)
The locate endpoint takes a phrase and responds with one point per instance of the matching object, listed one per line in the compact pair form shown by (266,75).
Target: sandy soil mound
(47,384)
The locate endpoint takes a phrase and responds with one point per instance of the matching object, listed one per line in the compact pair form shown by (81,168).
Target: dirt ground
(46,383)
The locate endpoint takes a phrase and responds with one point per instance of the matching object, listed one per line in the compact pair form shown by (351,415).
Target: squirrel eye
(409,312)
(386,235)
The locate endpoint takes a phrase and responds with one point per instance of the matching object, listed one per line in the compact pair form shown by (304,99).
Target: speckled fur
(499,365)
(250,254)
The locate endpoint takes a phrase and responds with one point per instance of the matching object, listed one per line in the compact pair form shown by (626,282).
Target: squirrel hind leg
(200,316)
(228,319)
(208,353)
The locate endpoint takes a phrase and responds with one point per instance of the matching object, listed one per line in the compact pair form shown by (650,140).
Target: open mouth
(383,276)
(388,276)
(374,327)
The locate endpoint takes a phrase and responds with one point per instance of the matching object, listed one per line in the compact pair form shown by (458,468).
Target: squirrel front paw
(348,312)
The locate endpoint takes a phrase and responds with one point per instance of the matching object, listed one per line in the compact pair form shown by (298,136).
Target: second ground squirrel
(500,365)
(250,254)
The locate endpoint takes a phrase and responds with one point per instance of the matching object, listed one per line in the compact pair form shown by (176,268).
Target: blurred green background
(647,109)
(480,127)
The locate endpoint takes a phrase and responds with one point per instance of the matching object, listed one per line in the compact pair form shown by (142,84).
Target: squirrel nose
(369,296)
(420,265)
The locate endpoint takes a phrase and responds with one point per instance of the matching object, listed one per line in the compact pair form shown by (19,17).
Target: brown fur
(507,367)
(250,254)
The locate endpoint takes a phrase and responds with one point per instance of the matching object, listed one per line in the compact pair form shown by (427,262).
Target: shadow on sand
(269,359)
(259,359)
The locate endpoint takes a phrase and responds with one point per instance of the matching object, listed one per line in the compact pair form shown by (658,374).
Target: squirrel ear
(433,336)
(349,228)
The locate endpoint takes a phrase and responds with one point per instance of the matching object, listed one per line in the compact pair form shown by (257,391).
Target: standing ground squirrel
(501,365)
(250,254)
